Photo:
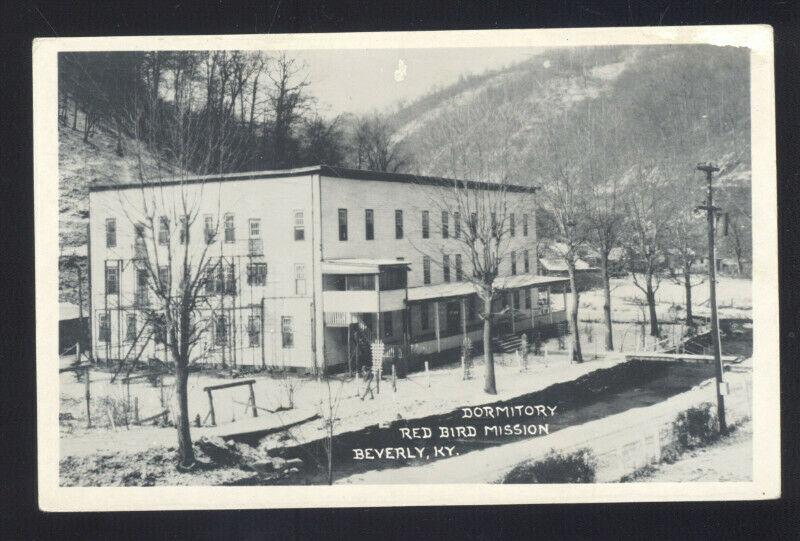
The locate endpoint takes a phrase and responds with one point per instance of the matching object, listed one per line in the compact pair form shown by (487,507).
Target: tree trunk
(120,149)
(577,356)
(651,305)
(607,303)
(687,284)
(185,450)
(489,385)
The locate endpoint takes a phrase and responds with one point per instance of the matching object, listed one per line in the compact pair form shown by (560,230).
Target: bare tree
(686,239)
(172,261)
(375,146)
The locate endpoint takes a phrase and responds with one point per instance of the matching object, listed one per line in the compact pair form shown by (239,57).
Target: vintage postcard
(433,268)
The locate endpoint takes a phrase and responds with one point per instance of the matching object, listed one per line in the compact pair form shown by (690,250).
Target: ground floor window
(130,328)
(254,330)
(104,334)
(388,325)
(220,330)
(424,320)
(528,298)
(453,316)
(287,332)
(257,274)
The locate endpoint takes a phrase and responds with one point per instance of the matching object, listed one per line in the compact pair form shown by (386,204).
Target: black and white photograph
(446,262)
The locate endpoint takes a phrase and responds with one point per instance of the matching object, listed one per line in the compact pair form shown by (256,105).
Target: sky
(364,80)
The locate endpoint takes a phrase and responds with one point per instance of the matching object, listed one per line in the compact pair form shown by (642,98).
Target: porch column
(513,319)
(549,306)
(463,317)
(436,326)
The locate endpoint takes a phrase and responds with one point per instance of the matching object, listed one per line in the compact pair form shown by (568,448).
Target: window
(220,330)
(257,274)
(446,267)
(184,229)
(130,327)
(360,282)
(254,330)
(426,270)
(459,268)
(208,228)
(287,332)
(445,224)
(424,318)
(230,279)
(391,279)
(512,224)
(163,277)
(526,260)
(525,225)
(473,225)
(209,279)
(528,299)
(111,233)
(515,299)
(163,230)
(456,225)
(388,325)
(426,226)
(141,297)
(472,308)
(299,225)
(398,224)
(453,317)
(299,279)
(369,221)
(342,224)
(112,280)
(513,262)
(255,228)
(104,334)
(494,224)
(230,228)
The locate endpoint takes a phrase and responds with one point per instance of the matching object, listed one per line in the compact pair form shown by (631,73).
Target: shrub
(696,426)
(576,467)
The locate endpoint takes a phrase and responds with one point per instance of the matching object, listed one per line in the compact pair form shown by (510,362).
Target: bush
(577,467)
(696,426)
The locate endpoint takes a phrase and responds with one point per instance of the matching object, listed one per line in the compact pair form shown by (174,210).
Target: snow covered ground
(730,459)
(414,398)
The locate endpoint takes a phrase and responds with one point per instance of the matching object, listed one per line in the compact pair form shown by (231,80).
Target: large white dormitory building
(311,261)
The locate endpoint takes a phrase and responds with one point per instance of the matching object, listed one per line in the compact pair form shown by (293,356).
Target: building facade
(310,266)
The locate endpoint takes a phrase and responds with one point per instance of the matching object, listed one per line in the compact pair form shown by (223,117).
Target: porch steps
(507,343)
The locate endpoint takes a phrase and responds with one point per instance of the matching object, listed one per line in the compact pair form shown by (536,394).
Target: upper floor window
(220,330)
(230,228)
(513,262)
(299,279)
(257,274)
(459,268)
(255,228)
(104,334)
(526,260)
(299,225)
(512,224)
(426,270)
(112,280)
(111,233)
(369,221)
(164,277)
(163,230)
(456,225)
(342,224)
(426,225)
(184,229)
(446,268)
(473,225)
(208,228)
(390,279)
(525,225)
(398,224)
(445,224)
(130,327)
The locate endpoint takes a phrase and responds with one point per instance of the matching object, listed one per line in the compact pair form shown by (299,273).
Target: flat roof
(462,289)
(324,170)
(359,265)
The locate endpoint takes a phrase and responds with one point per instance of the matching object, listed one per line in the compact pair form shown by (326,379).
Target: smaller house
(72,328)
(586,276)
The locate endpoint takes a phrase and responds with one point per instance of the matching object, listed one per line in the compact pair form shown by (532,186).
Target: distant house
(587,276)
(616,261)
(71,327)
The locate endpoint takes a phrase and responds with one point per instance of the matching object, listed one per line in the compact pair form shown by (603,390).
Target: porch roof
(359,266)
(462,289)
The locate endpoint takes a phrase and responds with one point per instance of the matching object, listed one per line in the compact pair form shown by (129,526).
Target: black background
(20,22)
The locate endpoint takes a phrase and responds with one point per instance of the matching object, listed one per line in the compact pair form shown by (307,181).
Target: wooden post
(211,408)
(436,326)
(427,374)
(463,317)
(253,401)
(88,398)
(394,378)
(136,410)
(261,334)
(161,389)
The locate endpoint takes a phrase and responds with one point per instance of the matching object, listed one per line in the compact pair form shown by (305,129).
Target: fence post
(136,410)
(88,398)
(427,374)
(253,400)
(394,378)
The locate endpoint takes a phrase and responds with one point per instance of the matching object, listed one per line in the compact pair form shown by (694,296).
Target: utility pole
(711,212)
